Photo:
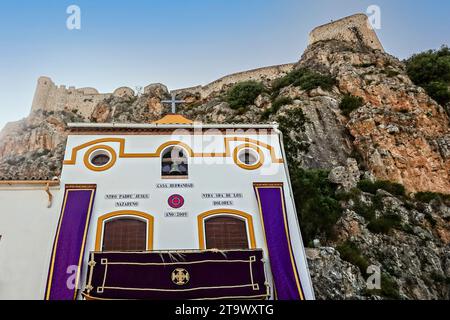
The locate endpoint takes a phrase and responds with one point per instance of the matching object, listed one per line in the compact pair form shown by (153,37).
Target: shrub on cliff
(384,224)
(431,70)
(318,209)
(293,124)
(427,197)
(350,103)
(244,93)
(350,252)
(393,188)
(276,105)
(305,79)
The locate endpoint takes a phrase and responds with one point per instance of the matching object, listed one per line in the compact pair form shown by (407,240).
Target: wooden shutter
(226,233)
(125,234)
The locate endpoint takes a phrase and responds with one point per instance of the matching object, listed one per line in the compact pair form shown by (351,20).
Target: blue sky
(180,42)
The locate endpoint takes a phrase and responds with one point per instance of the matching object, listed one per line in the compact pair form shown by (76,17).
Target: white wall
(27,228)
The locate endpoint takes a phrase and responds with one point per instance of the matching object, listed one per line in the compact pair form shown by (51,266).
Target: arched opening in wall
(125,234)
(226,233)
(174,163)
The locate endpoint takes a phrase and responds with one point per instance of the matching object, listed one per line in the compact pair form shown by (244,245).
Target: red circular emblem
(176,201)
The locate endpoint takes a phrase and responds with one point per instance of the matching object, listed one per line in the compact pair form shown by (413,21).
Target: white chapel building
(168,210)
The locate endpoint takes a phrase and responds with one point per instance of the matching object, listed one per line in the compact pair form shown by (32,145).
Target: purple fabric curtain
(177,275)
(272,208)
(68,246)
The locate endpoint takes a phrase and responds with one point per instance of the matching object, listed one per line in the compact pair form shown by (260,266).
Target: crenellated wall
(50,97)
(266,73)
(354,29)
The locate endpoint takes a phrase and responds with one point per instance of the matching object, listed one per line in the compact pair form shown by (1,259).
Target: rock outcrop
(399,134)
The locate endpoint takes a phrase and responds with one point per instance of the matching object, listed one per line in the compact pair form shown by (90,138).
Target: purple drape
(68,246)
(150,275)
(274,219)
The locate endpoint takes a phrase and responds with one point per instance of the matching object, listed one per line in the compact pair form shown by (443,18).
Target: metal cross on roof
(174,102)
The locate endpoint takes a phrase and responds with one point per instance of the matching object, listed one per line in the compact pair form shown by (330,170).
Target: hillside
(352,120)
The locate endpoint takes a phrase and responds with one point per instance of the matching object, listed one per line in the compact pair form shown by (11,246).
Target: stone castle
(355,29)
(50,97)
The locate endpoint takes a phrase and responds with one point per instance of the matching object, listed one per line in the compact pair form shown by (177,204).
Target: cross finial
(173,102)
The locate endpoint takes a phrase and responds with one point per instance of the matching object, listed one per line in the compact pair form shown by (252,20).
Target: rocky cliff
(395,133)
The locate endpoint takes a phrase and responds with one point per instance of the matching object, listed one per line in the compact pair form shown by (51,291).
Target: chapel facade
(168,210)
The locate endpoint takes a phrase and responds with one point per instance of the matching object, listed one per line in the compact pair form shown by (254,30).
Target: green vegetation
(365,65)
(276,105)
(385,223)
(305,79)
(365,210)
(292,124)
(279,102)
(390,73)
(391,187)
(427,197)
(244,93)
(350,103)
(389,289)
(350,252)
(317,206)
(437,277)
(431,70)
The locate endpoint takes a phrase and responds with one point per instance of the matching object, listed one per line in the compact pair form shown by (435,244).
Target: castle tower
(355,29)
(43,88)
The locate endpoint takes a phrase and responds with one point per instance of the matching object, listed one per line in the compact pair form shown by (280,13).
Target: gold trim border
(278,185)
(100,225)
(202,217)
(106,263)
(70,188)
(246,166)
(157,153)
(105,167)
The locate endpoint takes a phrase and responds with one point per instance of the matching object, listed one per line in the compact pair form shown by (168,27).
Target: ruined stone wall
(260,74)
(354,29)
(50,97)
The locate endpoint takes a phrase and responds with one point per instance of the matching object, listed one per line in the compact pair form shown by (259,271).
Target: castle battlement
(50,97)
(355,29)
(265,73)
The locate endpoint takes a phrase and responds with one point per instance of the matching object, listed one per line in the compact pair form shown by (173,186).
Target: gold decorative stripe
(236,297)
(255,166)
(87,160)
(157,153)
(89,297)
(178,290)
(179,251)
(286,227)
(51,183)
(175,263)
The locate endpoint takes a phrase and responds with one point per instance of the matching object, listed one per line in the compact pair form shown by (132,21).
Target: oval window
(248,156)
(100,158)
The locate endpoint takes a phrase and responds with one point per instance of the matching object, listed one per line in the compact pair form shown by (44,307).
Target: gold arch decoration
(217,212)
(157,153)
(123,213)
(247,166)
(90,166)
